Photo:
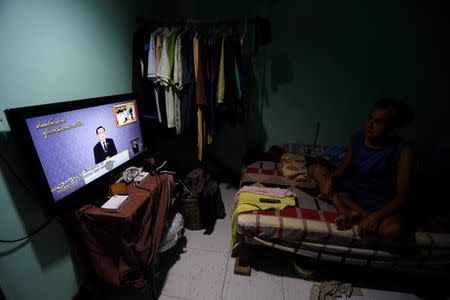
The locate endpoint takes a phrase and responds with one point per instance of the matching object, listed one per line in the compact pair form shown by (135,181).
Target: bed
(308,229)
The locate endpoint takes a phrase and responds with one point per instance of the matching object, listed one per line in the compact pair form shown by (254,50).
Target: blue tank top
(371,178)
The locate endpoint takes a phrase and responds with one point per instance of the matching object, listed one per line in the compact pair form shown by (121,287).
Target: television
(73,148)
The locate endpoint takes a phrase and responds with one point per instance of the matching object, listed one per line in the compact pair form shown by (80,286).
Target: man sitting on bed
(371,185)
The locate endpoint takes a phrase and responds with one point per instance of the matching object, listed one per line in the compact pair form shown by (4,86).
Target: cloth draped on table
(122,245)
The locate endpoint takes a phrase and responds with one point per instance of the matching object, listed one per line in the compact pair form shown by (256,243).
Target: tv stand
(120,246)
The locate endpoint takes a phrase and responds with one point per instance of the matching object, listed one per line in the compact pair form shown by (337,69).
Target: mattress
(309,229)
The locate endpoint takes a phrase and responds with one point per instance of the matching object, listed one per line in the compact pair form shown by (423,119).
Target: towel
(250,201)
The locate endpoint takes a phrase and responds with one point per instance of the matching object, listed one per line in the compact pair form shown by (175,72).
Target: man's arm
(404,177)
(340,170)
(327,190)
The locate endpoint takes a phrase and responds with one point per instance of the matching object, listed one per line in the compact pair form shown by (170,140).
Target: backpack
(201,185)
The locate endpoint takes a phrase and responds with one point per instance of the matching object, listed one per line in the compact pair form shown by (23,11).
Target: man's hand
(369,224)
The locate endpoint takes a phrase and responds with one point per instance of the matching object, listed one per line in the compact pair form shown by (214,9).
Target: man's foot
(346,219)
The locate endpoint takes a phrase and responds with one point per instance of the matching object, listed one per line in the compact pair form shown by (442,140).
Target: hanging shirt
(159,40)
(152,68)
(177,83)
(163,77)
(187,107)
(221,79)
(178,66)
(140,84)
(172,39)
(239,78)
(151,62)
(170,106)
(177,111)
(164,73)
(212,53)
(232,103)
(199,134)
(200,95)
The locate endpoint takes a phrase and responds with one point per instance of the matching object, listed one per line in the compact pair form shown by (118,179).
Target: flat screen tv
(73,147)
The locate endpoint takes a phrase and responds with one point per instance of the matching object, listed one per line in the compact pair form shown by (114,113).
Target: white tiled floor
(205,270)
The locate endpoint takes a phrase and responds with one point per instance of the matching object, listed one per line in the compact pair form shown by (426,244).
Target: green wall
(328,62)
(51,51)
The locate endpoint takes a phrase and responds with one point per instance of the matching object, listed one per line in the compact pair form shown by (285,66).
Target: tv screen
(78,142)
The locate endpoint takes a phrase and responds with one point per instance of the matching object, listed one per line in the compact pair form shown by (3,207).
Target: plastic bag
(172,233)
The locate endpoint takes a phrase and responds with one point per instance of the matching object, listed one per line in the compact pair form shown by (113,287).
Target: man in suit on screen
(105,147)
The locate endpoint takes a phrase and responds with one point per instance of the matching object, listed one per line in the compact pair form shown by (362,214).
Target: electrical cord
(11,169)
(16,176)
(29,235)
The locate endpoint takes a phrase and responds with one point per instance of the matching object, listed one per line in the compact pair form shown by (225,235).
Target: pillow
(332,154)
(293,166)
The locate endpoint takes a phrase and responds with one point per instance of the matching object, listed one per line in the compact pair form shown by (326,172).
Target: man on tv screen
(105,148)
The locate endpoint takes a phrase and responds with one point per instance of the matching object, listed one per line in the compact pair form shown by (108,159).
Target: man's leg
(320,174)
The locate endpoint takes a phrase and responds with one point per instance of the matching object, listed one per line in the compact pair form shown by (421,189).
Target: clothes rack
(143,21)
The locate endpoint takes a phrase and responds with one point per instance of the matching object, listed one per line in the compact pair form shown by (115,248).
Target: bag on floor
(202,186)
(172,232)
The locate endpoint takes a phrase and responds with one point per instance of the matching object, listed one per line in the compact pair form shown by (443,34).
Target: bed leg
(242,264)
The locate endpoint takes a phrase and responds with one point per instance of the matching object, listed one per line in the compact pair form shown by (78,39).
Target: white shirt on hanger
(163,76)
(151,62)
(177,66)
